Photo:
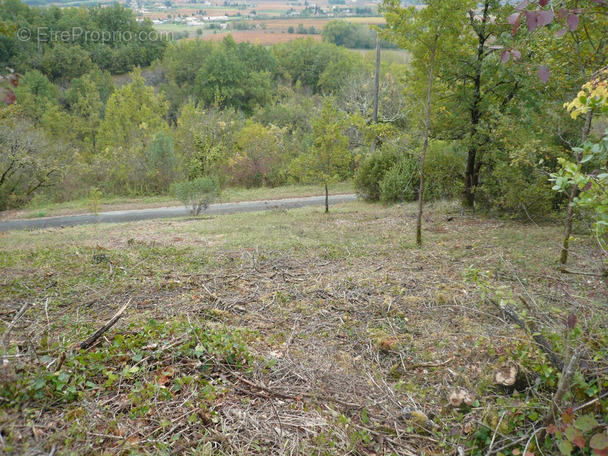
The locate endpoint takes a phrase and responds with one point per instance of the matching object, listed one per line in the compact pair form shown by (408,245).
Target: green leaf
(364,417)
(585,423)
(565,447)
(572,433)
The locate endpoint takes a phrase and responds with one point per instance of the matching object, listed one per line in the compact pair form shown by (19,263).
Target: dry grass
(352,333)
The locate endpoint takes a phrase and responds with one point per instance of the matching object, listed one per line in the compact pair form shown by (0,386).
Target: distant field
(366,20)
(265,37)
(273,31)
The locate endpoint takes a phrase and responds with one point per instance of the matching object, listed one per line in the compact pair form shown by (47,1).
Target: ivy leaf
(522,5)
(543,2)
(561,32)
(516,54)
(504,56)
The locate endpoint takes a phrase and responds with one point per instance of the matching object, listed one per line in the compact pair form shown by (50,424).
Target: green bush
(390,176)
(197,194)
(401,182)
(372,171)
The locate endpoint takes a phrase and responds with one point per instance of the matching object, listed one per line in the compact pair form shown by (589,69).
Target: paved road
(166,212)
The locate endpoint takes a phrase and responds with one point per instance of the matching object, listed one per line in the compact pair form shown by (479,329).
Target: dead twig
(12,323)
(87,343)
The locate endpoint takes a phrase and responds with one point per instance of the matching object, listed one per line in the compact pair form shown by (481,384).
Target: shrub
(401,182)
(161,163)
(372,172)
(390,176)
(197,194)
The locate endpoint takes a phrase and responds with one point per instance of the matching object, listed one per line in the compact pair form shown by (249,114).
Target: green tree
(427,33)
(28,161)
(235,75)
(36,95)
(258,156)
(86,108)
(66,62)
(340,33)
(329,158)
(134,114)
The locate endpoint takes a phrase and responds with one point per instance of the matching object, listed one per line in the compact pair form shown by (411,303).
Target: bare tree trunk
(427,128)
(573,194)
(326,199)
(377,81)
(376,92)
(471,176)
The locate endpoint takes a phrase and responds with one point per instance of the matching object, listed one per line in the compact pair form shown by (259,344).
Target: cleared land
(278,333)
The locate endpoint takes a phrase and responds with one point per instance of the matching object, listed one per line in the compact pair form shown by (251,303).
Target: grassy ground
(288,332)
(39,209)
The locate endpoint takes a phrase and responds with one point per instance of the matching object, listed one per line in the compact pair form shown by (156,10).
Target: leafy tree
(329,158)
(426,33)
(36,95)
(339,32)
(258,156)
(134,114)
(66,62)
(203,139)
(235,76)
(86,107)
(318,66)
(588,174)
(184,59)
(161,163)
(28,161)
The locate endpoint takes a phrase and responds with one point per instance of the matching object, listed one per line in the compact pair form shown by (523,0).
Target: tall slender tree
(427,33)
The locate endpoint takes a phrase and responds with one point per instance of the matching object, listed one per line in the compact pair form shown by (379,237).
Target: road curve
(166,212)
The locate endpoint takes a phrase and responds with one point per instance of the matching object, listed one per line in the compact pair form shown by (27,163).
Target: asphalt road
(166,212)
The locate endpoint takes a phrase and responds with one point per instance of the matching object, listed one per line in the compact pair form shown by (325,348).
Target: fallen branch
(540,340)
(591,274)
(97,334)
(12,323)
